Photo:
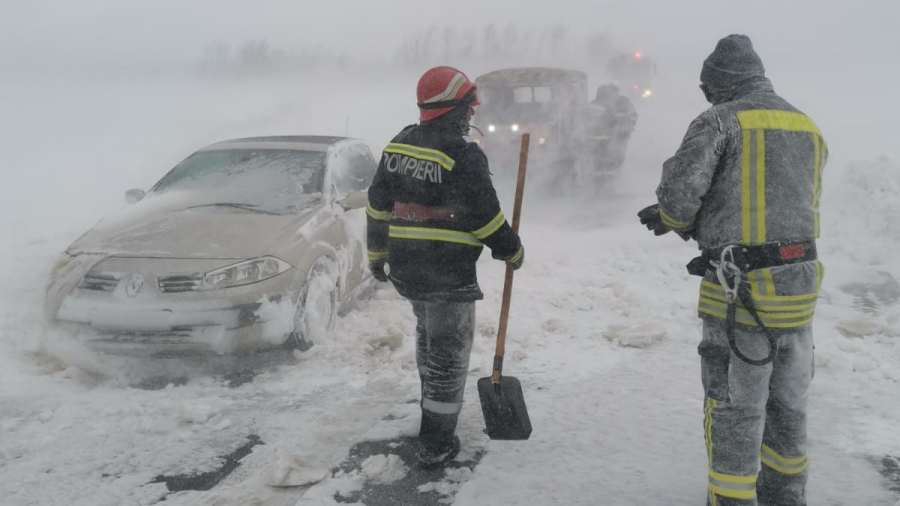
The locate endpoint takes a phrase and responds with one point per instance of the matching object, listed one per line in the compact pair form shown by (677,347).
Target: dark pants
(756,415)
(444,334)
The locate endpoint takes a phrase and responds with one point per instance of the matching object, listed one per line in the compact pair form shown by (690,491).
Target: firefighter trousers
(755,417)
(444,335)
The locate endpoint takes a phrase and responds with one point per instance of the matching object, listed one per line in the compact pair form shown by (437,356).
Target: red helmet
(443,89)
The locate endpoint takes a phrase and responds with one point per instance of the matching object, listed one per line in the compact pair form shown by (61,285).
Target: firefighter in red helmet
(432,209)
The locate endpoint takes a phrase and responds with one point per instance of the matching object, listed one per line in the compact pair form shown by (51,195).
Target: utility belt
(418,212)
(731,264)
(751,258)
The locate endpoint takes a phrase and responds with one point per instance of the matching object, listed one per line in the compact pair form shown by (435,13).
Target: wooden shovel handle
(507,285)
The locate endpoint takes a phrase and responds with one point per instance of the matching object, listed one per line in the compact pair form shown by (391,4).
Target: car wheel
(317,307)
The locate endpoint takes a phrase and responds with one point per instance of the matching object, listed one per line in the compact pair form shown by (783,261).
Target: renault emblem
(134,285)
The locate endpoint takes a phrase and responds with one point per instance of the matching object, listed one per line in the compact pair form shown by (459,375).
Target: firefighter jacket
(749,172)
(614,118)
(432,257)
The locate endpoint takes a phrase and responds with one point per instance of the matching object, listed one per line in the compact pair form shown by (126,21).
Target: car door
(352,170)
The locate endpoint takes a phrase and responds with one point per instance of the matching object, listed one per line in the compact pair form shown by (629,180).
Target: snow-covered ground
(603,330)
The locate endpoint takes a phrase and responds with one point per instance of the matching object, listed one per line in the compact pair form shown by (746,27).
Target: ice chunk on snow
(291,471)
(643,335)
(444,488)
(384,468)
(198,412)
(859,327)
(392,338)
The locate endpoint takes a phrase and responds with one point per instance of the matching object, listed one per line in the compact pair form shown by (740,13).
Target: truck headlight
(515,127)
(244,273)
(492,128)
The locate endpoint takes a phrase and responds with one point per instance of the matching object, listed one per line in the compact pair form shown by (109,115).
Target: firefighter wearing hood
(432,209)
(745,183)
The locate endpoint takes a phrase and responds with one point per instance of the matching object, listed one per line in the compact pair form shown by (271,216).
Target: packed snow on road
(603,328)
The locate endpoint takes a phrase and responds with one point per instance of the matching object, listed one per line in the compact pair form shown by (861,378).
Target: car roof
(292,142)
(531,76)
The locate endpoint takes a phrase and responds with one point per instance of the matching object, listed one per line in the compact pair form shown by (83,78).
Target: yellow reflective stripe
(815,201)
(762,307)
(458,83)
(732,486)
(745,189)
(432,155)
(747,320)
(732,478)
(675,224)
(783,465)
(769,282)
(765,314)
(774,298)
(760,186)
(753,187)
(732,494)
(434,234)
(755,284)
(378,215)
(515,258)
(375,256)
(707,426)
(777,120)
(820,273)
(450,92)
(766,449)
(491,227)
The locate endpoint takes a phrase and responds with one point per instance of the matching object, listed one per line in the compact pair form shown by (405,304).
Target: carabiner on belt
(726,267)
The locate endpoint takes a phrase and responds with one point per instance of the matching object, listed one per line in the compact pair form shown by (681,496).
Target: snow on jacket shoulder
(749,172)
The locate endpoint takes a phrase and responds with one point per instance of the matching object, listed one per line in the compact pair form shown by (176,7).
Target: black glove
(650,218)
(519,261)
(377,270)
(687,235)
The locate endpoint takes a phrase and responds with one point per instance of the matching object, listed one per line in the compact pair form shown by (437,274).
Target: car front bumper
(247,319)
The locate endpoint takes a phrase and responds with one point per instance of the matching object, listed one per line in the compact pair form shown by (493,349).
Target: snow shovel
(501,396)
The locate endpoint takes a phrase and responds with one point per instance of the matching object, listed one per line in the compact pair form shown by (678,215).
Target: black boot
(435,456)
(438,443)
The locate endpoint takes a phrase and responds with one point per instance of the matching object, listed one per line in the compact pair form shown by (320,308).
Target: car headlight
(647,93)
(244,273)
(492,128)
(514,128)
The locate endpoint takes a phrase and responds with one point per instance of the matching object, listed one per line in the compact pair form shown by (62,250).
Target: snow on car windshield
(276,179)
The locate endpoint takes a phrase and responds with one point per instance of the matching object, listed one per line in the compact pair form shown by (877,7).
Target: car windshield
(277,180)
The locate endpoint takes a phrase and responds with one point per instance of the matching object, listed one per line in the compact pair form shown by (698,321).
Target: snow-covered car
(246,244)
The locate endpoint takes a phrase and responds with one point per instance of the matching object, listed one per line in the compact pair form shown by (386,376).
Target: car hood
(166,228)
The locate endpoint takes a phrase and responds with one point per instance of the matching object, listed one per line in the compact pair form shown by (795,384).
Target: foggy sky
(787,30)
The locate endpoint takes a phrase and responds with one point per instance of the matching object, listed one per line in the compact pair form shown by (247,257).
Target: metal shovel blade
(503,404)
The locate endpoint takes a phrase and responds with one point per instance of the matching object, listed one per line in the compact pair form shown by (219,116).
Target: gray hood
(733,70)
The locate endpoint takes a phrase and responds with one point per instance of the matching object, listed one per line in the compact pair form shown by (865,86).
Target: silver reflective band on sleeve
(378,215)
(441,408)
(491,227)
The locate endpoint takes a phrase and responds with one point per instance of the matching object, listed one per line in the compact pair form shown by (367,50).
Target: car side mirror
(134,195)
(354,200)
